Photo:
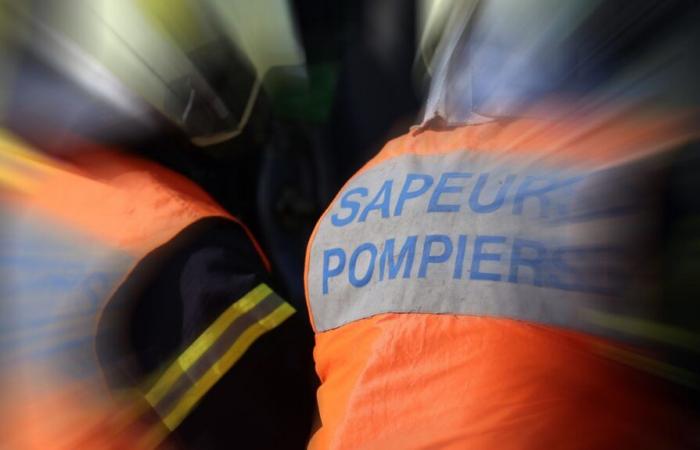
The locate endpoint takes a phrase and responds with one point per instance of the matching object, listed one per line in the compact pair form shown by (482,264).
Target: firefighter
(138,312)
(489,279)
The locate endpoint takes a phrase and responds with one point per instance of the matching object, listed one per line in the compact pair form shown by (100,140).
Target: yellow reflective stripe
(234,353)
(650,365)
(16,181)
(155,436)
(21,164)
(204,341)
(647,329)
(15,149)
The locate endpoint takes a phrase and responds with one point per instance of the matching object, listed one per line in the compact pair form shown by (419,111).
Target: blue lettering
(599,270)
(408,251)
(442,188)
(559,267)
(434,259)
(534,262)
(364,279)
(337,270)
(568,197)
(354,206)
(480,255)
(406,193)
(526,190)
(459,264)
(385,195)
(497,202)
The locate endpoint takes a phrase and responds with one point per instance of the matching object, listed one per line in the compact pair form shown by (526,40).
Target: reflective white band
(480,234)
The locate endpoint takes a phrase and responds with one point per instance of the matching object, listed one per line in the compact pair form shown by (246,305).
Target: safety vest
(72,235)
(483,287)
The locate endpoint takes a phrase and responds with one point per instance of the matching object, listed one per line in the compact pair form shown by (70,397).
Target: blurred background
(271,105)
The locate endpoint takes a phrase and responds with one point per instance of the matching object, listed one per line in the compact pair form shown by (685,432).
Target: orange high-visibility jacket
(465,286)
(72,233)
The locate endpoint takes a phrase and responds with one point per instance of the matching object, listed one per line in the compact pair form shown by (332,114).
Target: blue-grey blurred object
(497,57)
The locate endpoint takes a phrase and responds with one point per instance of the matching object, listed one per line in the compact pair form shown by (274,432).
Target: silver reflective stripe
(478,233)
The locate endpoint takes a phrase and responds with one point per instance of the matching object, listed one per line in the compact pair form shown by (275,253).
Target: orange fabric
(129,205)
(568,139)
(141,205)
(404,381)
(552,134)
(73,418)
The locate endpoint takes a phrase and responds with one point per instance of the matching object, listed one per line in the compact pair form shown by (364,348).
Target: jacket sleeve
(221,358)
